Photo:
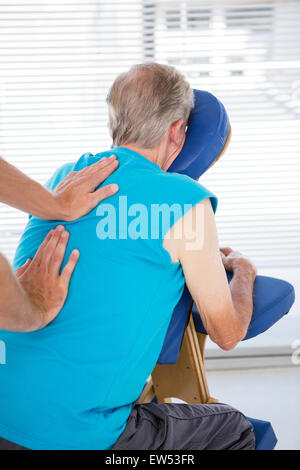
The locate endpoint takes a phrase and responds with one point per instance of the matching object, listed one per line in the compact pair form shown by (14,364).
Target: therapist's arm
(73,198)
(35,296)
(225,310)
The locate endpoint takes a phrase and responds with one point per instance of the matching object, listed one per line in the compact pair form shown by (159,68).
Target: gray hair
(145,101)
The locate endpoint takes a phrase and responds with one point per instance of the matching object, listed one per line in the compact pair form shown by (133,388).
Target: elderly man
(75,384)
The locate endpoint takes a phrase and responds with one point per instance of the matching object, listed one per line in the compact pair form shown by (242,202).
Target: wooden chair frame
(186,379)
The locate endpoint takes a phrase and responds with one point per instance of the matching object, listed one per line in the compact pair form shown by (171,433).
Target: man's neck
(153,155)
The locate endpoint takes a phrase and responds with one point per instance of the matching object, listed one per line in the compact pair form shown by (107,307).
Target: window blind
(58,59)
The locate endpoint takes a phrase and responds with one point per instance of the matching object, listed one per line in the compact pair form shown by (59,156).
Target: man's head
(148,108)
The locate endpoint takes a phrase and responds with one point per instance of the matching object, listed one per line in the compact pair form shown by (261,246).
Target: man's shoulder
(182,181)
(184,188)
(83,161)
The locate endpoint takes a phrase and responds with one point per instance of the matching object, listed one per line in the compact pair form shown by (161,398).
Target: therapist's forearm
(72,198)
(17,311)
(21,192)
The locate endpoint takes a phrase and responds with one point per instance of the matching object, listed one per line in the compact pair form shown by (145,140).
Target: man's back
(72,384)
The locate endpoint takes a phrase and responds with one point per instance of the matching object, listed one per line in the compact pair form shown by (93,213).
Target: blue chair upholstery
(173,339)
(207,133)
(273,298)
(265,438)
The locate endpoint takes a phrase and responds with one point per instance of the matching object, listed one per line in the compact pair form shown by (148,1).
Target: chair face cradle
(180,370)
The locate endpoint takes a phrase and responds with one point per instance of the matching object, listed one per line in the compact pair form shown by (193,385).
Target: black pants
(173,426)
(7,445)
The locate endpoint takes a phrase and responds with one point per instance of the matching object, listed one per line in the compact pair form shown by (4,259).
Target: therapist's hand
(40,277)
(76,195)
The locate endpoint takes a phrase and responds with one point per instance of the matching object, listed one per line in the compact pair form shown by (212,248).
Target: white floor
(271,394)
(264,392)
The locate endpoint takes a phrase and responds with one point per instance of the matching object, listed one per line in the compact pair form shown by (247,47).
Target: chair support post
(186,379)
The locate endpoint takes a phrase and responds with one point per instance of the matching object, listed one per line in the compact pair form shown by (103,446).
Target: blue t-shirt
(72,384)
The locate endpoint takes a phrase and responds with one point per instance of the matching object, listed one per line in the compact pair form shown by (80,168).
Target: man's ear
(176,139)
(176,130)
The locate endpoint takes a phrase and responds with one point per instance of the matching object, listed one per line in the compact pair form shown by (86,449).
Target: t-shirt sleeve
(182,193)
(65,169)
(59,175)
(198,193)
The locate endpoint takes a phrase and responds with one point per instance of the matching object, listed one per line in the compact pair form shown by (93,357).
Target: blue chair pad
(207,133)
(265,437)
(273,298)
(173,339)
(208,130)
